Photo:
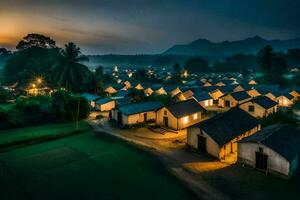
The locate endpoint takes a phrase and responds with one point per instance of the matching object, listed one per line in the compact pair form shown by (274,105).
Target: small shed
(274,149)
(135,113)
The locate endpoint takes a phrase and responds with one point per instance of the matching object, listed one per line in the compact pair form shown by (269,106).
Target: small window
(195,116)
(251,108)
(260,149)
(185,120)
(165,112)
(206,103)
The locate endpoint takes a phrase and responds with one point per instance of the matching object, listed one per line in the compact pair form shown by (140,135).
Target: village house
(218,135)
(105,104)
(91,98)
(253,92)
(204,99)
(172,90)
(234,99)
(284,100)
(137,86)
(252,82)
(112,88)
(260,106)
(135,113)
(180,115)
(275,149)
(295,93)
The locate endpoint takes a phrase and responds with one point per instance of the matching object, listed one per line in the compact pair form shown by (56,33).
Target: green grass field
(84,166)
(29,134)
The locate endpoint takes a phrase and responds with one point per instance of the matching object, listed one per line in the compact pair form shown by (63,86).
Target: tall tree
(70,73)
(176,69)
(197,65)
(265,57)
(272,65)
(5,52)
(36,40)
(24,66)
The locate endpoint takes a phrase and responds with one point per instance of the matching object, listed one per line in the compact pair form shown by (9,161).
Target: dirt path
(173,159)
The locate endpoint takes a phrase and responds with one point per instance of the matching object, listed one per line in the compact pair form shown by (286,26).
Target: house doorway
(145,117)
(261,160)
(227,103)
(120,118)
(202,144)
(166,121)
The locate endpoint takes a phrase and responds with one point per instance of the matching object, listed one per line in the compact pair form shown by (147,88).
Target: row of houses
(233,132)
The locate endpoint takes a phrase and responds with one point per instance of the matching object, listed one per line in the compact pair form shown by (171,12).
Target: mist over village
(130,99)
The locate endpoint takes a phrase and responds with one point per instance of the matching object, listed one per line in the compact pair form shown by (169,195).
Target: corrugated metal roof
(135,108)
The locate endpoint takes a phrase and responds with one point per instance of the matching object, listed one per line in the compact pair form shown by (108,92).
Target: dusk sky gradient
(146,26)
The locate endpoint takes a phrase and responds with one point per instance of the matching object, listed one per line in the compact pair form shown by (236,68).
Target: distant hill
(134,61)
(204,47)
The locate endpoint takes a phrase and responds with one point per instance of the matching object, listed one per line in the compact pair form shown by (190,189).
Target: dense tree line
(60,107)
(38,56)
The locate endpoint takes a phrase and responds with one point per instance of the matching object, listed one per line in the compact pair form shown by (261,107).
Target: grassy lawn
(85,166)
(6,106)
(29,134)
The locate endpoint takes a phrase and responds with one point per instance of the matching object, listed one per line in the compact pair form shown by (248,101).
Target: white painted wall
(276,163)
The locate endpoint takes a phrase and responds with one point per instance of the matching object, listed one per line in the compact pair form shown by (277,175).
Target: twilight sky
(146,26)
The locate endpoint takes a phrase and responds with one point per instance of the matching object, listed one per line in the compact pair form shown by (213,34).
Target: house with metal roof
(233,99)
(135,113)
(172,90)
(113,88)
(180,115)
(284,99)
(218,135)
(204,99)
(105,104)
(91,98)
(275,149)
(259,107)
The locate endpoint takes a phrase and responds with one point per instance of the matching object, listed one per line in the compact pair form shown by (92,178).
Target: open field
(232,181)
(26,135)
(85,166)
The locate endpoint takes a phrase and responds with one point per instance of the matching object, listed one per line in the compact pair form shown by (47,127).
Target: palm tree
(70,73)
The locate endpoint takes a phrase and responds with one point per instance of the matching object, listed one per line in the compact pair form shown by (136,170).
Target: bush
(68,108)
(61,107)
(5,95)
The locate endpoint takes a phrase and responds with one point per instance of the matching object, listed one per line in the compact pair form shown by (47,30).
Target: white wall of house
(276,163)
(283,101)
(216,94)
(110,90)
(253,93)
(259,112)
(138,118)
(212,147)
(174,92)
(206,103)
(107,106)
(173,122)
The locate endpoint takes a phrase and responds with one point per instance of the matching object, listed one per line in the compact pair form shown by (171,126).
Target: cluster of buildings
(221,117)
